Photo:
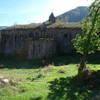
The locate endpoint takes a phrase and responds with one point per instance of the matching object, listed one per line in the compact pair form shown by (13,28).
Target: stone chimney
(52,18)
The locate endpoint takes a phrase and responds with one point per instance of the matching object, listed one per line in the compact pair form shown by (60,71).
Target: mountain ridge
(74,15)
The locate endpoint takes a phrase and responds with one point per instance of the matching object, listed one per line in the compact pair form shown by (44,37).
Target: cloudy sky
(30,11)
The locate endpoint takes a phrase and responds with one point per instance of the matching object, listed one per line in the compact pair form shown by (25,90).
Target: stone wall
(38,42)
(41,48)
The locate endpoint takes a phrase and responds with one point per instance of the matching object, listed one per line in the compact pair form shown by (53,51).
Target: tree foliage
(89,41)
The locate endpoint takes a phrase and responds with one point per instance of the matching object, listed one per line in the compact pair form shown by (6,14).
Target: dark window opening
(65,35)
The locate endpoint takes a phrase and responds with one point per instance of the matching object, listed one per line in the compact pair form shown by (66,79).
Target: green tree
(89,41)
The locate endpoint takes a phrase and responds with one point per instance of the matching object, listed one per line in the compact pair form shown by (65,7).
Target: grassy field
(45,81)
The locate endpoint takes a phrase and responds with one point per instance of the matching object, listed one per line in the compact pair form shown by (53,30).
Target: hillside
(74,15)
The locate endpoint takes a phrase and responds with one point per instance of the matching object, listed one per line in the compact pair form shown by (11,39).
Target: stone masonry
(37,42)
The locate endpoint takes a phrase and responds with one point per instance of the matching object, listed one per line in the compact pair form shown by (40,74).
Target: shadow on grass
(94,58)
(36,98)
(69,89)
(11,62)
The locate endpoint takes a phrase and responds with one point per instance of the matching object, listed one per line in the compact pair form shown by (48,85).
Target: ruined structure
(38,42)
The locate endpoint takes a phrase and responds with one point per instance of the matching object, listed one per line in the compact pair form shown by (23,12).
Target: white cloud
(61,6)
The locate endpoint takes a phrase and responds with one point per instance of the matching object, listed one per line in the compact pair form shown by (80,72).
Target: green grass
(39,88)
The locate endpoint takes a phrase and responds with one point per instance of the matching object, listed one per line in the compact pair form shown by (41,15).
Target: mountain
(74,15)
(2,27)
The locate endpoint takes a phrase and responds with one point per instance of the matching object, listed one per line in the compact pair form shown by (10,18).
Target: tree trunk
(82,66)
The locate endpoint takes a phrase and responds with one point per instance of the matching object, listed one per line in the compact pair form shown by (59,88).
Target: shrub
(2,66)
(62,70)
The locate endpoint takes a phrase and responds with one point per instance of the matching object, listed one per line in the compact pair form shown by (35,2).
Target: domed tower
(52,18)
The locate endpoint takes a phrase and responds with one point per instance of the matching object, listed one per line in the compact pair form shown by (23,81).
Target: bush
(62,70)
(2,66)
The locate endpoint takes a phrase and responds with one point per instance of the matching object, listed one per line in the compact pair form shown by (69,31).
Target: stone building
(39,42)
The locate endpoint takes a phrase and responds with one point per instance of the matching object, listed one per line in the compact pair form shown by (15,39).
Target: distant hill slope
(2,27)
(74,15)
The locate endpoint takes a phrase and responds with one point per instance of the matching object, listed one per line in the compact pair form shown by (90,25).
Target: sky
(34,11)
